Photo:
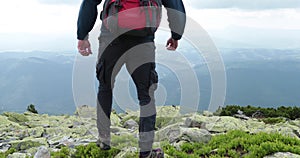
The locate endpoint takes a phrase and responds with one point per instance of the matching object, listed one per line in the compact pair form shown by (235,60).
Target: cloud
(57,2)
(244,4)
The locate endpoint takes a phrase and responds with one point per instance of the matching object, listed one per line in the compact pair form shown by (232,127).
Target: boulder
(173,133)
(130,124)
(254,126)
(16,117)
(207,113)
(42,152)
(18,155)
(283,154)
(4,147)
(193,123)
(195,135)
(86,111)
(115,119)
(127,152)
(36,132)
(61,141)
(216,124)
(241,116)
(22,145)
(4,121)
(167,111)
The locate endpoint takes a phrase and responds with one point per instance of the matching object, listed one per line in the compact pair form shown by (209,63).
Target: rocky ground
(38,134)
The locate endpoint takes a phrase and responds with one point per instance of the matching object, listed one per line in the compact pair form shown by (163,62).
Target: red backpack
(132,17)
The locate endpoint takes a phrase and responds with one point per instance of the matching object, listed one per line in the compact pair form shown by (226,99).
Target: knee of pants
(104,88)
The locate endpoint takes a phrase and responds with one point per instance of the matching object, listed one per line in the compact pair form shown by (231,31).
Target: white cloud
(277,28)
(32,17)
(35,19)
(265,19)
(244,4)
(57,2)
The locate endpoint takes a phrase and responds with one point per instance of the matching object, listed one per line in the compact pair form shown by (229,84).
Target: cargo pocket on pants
(153,77)
(100,72)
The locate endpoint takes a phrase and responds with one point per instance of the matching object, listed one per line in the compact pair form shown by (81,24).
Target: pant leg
(140,63)
(108,65)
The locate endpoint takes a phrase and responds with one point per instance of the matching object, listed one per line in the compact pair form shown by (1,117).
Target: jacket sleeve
(176,17)
(87,17)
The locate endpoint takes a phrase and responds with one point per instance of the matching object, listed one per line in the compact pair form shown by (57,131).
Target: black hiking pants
(138,54)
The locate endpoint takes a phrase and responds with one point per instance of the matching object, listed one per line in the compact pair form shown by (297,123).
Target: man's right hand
(84,47)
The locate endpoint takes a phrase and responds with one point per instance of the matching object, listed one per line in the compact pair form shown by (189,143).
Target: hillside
(259,77)
(188,134)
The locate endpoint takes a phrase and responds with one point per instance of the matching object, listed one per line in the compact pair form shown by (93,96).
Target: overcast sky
(51,24)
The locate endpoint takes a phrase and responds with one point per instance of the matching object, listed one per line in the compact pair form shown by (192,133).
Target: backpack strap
(144,2)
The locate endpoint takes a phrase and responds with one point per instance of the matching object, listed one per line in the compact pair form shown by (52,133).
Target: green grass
(237,144)
(233,144)
(5,154)
(85,151)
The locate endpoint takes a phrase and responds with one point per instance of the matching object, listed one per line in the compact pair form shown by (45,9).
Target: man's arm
(87,18)
(86,21)
(176,17)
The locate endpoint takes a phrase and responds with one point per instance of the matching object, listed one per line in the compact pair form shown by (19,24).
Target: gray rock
(42,152)
(17,155)
(195,135)
(127,152)
(241,116)
(4,147)
(283,155)
(240,112)
(131,124)
(173,133)
(26,143)
(86,111)
(193,123)
(36,132)
(16,117)
(216,124)
(115,119)
(168,111)
(207,113)
(258,114)
(61,141)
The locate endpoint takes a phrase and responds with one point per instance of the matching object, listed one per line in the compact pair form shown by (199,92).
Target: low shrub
(237,144)
(282,111)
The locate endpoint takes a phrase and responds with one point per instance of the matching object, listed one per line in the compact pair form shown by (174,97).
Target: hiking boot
(102,145)
(155,153)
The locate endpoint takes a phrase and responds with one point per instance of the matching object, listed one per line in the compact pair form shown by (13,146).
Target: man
(138,53)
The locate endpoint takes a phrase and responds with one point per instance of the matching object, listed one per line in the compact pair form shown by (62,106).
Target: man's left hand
(172,44)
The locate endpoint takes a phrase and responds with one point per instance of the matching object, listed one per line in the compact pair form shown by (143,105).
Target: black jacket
(88,14)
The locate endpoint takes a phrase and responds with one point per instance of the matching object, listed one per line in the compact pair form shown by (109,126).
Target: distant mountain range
(259,77)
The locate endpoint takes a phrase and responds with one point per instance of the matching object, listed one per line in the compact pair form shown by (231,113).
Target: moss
(128,117)
(24,145)
(15,117)
(124,141)
(164,121)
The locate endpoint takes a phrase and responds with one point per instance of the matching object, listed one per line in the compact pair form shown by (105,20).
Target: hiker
(135,48)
